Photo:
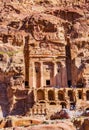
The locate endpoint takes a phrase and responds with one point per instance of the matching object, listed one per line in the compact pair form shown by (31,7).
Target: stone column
(32,75)
(84,94)
(56,96)
(63,76)
(46,95)
(55,73)
(41,70)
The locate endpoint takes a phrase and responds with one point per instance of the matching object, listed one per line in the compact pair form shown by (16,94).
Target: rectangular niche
(47,82)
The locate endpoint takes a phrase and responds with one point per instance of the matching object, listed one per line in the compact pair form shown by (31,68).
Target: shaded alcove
(63,104)
(71,96)
(52,103)
(87,95)
(51,95)
(38,74)
(60,96)
(68,63)
(26,60)
(87,109)
(80,94)
(40,95)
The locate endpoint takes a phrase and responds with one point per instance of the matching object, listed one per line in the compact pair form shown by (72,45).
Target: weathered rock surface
(59,126)
(85,125)
(41,20)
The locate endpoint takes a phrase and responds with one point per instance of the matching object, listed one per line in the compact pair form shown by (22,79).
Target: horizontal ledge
(46,56)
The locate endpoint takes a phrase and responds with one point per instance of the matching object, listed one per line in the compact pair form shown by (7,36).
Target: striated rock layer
(59,126)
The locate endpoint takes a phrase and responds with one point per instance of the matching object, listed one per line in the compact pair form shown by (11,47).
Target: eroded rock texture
(85,125)
(43,45)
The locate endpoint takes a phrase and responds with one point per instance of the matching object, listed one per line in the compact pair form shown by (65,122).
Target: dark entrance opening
(47,82)
(87,95)
(80,95)
(26,84)
(69,83)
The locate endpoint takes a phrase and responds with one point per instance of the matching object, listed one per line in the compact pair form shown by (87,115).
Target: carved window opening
(40,95)
(51,95)
(69,83)
(60,96)
(38,74)
(80,95)
(47,82)
(87,95)
(26,83)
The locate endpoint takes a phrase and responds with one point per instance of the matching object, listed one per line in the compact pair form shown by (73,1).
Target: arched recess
(71,96)
(60,96)
(87,95)
(52,103)
(40,95)
(87,109)
(51,95)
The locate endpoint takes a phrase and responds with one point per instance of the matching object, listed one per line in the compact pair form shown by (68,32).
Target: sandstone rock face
(85,125)
(43,44)
(60,126)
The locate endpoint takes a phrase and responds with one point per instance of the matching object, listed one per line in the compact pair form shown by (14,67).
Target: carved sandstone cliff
(51,29)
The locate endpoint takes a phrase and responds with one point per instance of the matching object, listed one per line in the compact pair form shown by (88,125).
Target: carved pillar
(32,75)
(46,95)
(35,95)
(84,95)
(63,76)
(55,73)
(56,95)
(41,68)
